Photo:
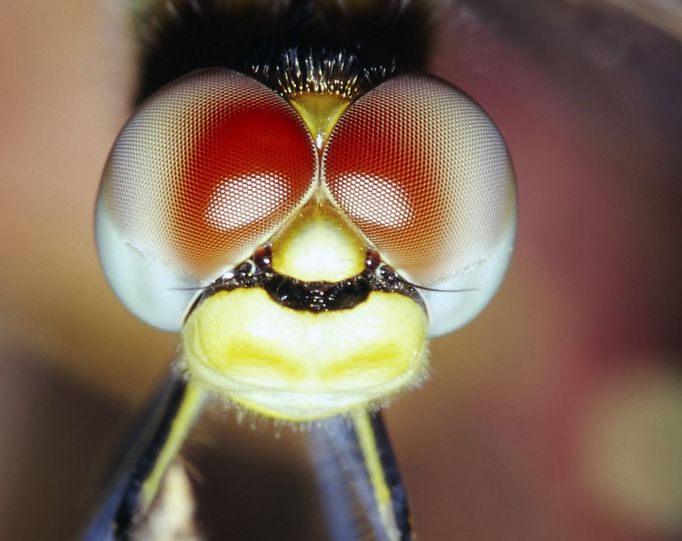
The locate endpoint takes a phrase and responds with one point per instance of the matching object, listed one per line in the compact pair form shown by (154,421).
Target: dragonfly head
(287,237)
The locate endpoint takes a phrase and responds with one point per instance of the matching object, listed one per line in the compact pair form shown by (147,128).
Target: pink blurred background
(557,414)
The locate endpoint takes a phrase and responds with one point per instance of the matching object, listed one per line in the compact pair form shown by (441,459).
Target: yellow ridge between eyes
(320,112)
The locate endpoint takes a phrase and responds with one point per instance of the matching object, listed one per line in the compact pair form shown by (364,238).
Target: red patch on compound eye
(424,173)
(244,174)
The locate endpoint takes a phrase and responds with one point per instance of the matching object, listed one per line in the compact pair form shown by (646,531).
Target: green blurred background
(557,414)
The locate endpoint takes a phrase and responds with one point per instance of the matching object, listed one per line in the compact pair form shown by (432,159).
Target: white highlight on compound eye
(240,201)
(385,202)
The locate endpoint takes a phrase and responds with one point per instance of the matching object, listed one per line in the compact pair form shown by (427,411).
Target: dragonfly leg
(149,467)
(361,486)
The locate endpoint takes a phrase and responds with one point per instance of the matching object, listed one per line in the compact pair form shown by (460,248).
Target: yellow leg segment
(382,492)
(192,403)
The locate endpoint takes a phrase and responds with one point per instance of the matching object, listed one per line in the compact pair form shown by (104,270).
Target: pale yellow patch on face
(318,245)
(298,365)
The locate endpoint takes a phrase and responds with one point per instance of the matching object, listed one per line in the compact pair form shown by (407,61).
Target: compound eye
(208,167)
(423,172)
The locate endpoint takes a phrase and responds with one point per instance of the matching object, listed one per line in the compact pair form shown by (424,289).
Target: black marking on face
(318,296)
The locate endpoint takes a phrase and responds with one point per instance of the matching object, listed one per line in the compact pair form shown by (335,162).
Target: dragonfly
(307,207)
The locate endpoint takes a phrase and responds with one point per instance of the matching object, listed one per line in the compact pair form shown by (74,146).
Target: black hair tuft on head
(354,44)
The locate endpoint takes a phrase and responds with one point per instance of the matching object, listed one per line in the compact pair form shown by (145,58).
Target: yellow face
(295,364)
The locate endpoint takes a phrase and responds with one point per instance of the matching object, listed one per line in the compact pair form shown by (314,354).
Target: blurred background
(556,414)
